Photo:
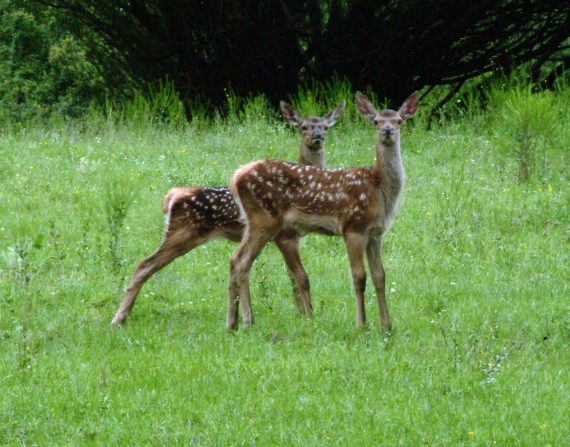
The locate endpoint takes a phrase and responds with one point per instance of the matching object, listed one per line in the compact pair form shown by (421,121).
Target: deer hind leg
(175,244)
(288,243)
(355,247)
(374,256)
(240,266)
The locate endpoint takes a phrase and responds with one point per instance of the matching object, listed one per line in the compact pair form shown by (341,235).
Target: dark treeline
(272,46)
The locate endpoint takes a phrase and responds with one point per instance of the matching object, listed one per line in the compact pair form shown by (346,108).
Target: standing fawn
(196,215)
(358,204)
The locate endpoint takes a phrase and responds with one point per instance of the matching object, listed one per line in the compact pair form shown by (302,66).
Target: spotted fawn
(196,215)
(358,204)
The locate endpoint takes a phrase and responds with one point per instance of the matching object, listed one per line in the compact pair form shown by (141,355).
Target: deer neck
(312,157)
(389,164)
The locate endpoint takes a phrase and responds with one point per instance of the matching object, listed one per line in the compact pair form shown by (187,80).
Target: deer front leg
(169,250)
(233,301)
(240,266)
(288,243)
(355,246)
(374,255)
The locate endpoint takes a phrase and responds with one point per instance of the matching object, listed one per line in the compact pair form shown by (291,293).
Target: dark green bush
(43,68)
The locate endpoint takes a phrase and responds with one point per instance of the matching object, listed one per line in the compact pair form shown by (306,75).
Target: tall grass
(477,275)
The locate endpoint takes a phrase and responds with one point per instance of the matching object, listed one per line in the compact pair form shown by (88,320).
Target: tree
(203,47)
(392,47)
(43,66)
(396,47)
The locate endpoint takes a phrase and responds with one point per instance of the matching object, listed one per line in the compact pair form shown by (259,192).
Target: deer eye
(303,128)
(326,127)
(400,122)
(375,122)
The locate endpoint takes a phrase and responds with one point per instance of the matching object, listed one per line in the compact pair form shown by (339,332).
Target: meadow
(477,266)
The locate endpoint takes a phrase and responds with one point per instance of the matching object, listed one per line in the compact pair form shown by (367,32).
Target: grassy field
(477,270)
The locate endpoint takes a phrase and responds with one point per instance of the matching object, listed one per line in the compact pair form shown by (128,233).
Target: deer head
(313,131)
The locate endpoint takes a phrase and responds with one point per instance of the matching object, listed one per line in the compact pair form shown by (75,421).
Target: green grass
(477,271)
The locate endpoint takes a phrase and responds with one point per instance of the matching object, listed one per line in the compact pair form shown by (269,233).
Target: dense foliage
(67,53)
(44,65)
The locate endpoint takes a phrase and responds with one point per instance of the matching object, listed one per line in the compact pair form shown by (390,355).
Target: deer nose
(388,130)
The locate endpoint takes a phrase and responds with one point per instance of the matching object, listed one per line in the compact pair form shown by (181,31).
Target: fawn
(358,204)
(196,215)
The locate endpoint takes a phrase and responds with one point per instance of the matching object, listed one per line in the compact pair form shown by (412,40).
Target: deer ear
(333,116)
(410,106)
(290,115)
(365,107)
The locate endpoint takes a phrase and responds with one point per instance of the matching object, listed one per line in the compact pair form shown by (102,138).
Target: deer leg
(240,266)
(233,293)
(355,247)
(234,284)
(374,256)
(296,293)
(170,249)
(288,244)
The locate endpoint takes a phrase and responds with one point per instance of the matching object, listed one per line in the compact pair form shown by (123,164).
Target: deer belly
(311,223)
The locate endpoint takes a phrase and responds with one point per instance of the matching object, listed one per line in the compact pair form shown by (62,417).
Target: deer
(197,215)
(358,204)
